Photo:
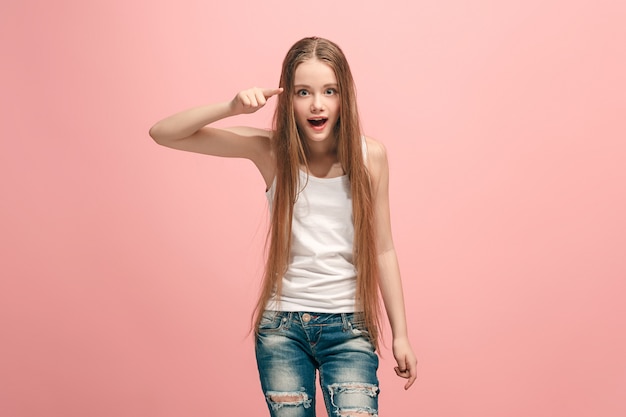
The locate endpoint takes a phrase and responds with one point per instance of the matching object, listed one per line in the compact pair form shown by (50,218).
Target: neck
(323,149)
(323,161)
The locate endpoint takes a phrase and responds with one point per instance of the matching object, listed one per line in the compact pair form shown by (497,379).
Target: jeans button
(306,317)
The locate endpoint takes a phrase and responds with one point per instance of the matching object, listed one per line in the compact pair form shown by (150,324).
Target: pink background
(129,270)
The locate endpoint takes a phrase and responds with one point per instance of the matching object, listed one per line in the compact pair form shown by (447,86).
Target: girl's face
(316,103)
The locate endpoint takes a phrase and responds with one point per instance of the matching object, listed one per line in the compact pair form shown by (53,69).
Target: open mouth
(318,122)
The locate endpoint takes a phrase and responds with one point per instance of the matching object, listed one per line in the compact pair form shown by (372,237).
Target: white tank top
(321,276)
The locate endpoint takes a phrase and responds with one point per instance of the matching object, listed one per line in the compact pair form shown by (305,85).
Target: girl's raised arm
(189,130)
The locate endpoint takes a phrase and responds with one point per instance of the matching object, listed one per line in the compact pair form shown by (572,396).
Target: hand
(251,100)
(406,360)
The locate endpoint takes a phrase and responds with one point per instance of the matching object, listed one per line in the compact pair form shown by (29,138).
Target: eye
(330,92)
(302,93)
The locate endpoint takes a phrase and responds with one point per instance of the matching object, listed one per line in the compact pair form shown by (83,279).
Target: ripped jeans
(292,346)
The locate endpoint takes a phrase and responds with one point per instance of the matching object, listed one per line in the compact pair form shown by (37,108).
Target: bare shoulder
(376,158)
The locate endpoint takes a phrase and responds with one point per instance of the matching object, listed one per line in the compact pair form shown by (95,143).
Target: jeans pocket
(270,321)
(357,325)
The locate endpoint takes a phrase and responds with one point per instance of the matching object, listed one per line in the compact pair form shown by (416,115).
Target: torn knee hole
(352,393)
(279,399)
(287,398)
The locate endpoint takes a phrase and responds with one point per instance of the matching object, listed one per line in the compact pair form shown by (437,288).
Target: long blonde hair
(290,151)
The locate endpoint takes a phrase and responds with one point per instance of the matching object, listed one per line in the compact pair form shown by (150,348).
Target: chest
(324,201)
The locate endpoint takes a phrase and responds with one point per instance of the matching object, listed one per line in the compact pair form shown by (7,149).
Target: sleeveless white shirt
(321,276)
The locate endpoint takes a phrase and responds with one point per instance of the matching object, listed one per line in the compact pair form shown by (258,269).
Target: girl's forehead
(314,71)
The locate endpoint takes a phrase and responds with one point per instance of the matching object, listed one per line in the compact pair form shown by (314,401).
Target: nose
(317,103)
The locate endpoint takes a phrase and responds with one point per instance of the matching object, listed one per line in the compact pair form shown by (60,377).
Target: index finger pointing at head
(269,92)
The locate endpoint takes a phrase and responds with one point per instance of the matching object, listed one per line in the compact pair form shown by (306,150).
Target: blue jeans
(292,346)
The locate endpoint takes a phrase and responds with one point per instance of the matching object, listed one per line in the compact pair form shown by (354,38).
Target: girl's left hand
(406,360)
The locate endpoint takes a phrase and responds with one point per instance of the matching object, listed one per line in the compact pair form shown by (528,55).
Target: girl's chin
(317,136)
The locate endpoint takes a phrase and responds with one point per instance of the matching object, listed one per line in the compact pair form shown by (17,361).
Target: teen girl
(330,244)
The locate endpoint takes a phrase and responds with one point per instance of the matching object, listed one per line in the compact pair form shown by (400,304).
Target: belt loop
(345,321)
(288,316)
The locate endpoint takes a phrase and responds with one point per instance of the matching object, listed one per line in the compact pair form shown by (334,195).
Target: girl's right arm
(188,130)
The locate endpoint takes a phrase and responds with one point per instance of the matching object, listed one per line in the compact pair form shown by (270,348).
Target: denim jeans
(292,346)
